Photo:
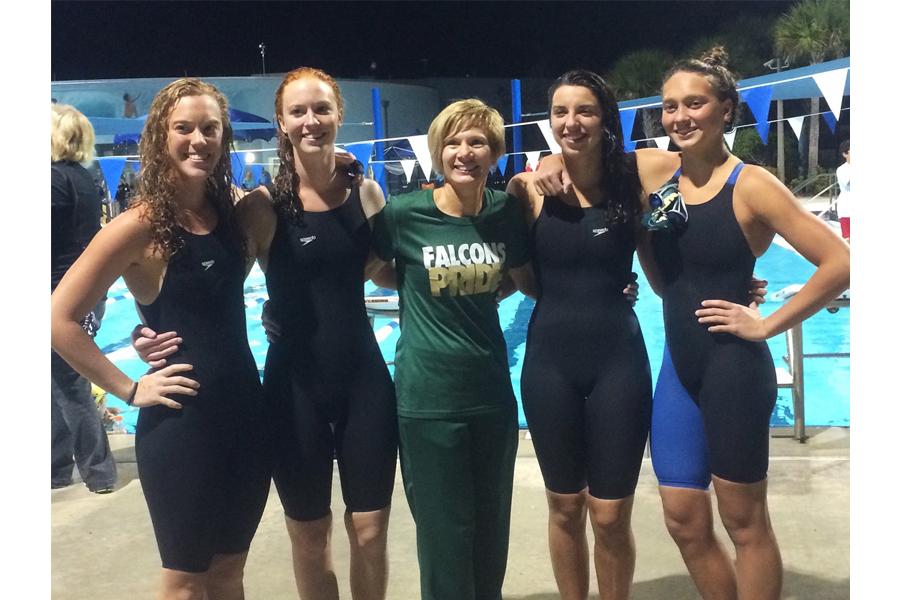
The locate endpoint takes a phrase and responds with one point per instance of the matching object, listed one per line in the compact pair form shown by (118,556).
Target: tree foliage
(814,31)
(639,73)
(748,40)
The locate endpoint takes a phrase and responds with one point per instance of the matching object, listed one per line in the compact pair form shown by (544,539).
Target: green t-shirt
(451,355)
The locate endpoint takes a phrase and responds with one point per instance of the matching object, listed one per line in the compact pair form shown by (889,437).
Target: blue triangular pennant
(830,120)
(501,163)
(112,167)
(759,99)
(238,159)
(627,118)
(362,151)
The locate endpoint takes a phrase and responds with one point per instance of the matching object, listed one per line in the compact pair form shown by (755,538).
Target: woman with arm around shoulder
(452,247)
(717,388)
(325,377)
(586,386)
(200,440)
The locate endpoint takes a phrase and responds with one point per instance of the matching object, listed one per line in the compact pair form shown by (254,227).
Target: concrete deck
(103,546)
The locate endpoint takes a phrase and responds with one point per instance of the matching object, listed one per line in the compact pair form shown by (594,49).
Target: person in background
(130,111)
(844,201)
(77,434)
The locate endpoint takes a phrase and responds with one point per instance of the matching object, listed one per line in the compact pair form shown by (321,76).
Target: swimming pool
(827,380)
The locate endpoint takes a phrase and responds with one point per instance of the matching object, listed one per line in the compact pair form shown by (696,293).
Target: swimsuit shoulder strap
(734,174)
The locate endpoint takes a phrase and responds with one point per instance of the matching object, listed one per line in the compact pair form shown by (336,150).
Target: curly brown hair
(158,183)
(287,181)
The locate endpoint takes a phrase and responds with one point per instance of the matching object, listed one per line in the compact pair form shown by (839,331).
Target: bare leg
(614,551)
(180,585)
(688,514)
(568,544)
(367,532)
(225,578)
(745,514)
(313,567)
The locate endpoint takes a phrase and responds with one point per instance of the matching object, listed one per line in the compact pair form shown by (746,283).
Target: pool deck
(103,546)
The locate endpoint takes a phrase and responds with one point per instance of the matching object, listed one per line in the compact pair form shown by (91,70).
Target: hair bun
(715,57)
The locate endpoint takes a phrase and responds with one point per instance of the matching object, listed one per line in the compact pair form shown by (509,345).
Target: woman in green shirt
(452,247)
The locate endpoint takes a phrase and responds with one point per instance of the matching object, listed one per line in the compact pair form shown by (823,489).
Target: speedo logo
(307,240)
(206,264)
(600,231)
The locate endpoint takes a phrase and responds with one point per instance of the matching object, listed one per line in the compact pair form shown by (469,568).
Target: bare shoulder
(764,195)
(134,223)
(371,197)
(255,204)
(256,216)
(758,184)
(656,166)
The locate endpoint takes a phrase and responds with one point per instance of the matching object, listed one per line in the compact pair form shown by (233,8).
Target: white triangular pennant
(729,139)
(533,158)
(796,124)
(662,142)
(548,136)
(832,84)
(408,166)
(419,145)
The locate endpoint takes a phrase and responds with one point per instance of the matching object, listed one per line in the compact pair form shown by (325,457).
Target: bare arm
(256,216)
(525,280)
(118,247)
(776,210)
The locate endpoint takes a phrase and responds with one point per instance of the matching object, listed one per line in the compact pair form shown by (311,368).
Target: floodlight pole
(262,53)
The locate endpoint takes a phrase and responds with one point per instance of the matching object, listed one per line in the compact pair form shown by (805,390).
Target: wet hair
(618,170)
(71,135)
(157,185)
(844,147)
(459,116)
(287,181)
(713,64)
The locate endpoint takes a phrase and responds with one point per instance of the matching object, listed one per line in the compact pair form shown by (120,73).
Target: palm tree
(639,74)
(814,31)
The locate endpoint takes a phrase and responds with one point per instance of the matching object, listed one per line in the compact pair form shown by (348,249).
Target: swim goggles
(667,209)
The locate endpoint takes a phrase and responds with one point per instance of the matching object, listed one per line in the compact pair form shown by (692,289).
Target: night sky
(100,40)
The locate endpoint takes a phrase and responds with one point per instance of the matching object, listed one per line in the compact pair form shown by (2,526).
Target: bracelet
(130,399)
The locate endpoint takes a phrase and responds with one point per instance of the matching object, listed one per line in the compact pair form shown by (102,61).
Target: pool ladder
(791,376)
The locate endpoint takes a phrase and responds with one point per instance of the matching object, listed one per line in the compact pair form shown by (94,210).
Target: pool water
(827,380)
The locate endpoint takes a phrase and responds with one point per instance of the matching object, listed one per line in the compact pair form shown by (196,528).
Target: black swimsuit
(204,468)
(730,380)
(325,376)
(586,386)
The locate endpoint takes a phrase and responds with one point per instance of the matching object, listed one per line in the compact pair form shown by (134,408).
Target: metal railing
(792,377)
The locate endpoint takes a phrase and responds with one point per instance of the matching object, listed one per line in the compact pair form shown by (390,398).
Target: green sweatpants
(458,475)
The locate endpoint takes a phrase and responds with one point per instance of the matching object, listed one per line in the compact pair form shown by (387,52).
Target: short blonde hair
(71,135)
(462,115)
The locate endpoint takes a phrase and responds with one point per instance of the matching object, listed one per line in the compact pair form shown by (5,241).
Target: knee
(226,572)
(309,538)
(179,585)
(689,525)
(611,517)
(369,530)
(747,526)
(567,511)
